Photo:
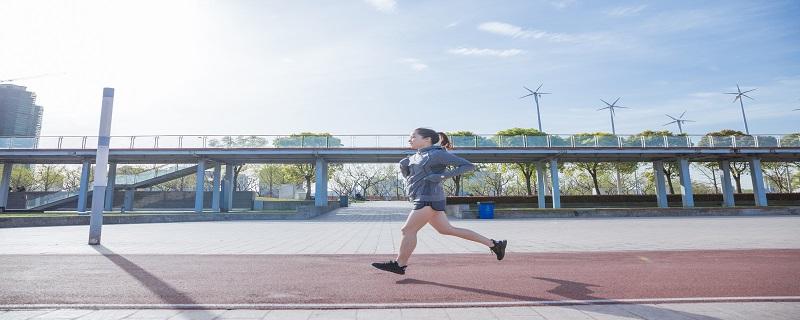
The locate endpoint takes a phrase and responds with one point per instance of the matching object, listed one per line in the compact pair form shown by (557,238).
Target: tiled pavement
(374,228)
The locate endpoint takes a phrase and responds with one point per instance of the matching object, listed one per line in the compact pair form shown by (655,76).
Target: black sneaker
(390,266)
(499,248)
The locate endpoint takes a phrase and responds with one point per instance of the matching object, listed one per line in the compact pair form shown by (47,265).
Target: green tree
(49,177)
(273,175)
(792,140)
(306,172)
(526,169)
(737,168)
(22,178)
(594,169)
(308,140)
(656,138)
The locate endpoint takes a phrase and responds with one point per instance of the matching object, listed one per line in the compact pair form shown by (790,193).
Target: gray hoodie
(424,170)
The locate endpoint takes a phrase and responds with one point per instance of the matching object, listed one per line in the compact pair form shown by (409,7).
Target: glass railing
(128,179)
(50,198)
(400,141)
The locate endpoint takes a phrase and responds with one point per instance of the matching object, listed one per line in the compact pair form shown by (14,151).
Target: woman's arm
(446,158)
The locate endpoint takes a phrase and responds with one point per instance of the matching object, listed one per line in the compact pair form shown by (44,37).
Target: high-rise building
(19,114)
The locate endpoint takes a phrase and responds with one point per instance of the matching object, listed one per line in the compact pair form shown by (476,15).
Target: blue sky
(382,66)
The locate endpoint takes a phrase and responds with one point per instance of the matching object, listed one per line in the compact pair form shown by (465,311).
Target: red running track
(348,279)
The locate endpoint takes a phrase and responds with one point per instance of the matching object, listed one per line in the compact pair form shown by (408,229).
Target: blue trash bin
(486,210)
(343,201)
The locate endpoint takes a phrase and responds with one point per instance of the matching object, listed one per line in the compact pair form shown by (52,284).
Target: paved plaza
(580,268)
(374,228)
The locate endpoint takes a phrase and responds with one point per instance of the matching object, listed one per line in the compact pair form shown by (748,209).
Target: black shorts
(436,205)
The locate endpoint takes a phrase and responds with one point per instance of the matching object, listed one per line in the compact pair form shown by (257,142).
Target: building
(19,114)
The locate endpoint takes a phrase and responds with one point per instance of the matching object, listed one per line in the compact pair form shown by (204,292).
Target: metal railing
(400,141)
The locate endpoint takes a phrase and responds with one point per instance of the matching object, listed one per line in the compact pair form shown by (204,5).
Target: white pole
(101,167)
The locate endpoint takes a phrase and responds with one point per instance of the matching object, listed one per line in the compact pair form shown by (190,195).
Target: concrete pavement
(646,268)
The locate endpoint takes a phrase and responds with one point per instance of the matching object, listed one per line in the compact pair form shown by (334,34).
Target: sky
(387,67)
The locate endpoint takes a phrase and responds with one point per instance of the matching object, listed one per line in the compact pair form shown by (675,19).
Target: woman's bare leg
(442,225)
(416,220)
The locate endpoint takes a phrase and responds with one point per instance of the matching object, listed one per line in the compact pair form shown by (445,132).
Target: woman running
(424,173)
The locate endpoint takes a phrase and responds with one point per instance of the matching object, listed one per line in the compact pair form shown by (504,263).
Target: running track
(109,278)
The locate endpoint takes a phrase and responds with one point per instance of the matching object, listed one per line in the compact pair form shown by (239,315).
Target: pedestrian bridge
(215,151)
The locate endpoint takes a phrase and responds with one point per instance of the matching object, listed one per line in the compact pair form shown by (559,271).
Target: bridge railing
(400,141)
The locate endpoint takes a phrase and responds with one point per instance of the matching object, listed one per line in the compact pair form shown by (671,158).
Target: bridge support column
(727,187)
(554,182)
(200,180)
(661,189)
(686,183)
(757,175)
(5,181)
(216,185)
(321,186)
(227,188)
(112,178)
(83,189)
(128,202)
(540,183)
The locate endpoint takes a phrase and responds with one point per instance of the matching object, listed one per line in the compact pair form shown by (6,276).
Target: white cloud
(626,11)
(414,64)
(561,4)
(387,6)
(486,52)
(452,24)
(513,31)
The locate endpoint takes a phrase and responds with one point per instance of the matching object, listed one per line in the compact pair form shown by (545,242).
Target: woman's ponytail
(444,141)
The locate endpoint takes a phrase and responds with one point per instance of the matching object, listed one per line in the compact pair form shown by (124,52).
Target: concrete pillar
(83,190)
(757,175)
(215,194)
(661,189)
(227,189)
(128,203)
(540,184)
(5,182)
(727,187)
(199,186)
(112,178)
(554,180)
(321,186)
(686,183)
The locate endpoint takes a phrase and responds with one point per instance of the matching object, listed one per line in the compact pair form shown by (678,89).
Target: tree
(526,169)
(273,175)
(792,140)
(238,142)
(48,176)
(305,172)
(779,175)
(308,140)
(21,178)
(737,168)
(595,168)
(72,178)
(655,137)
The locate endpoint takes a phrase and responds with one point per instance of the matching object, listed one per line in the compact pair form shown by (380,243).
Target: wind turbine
(679,120)
(739,95)
(536,95)
(610,107)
